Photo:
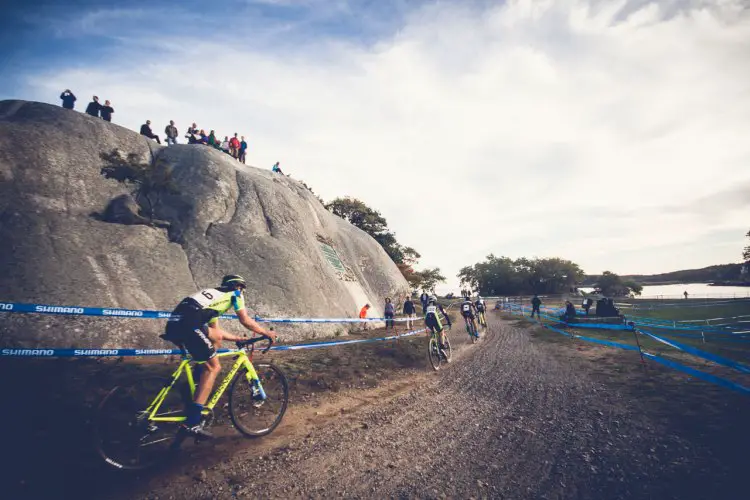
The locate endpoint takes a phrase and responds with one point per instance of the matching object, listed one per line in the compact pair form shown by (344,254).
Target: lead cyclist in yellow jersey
(194,325)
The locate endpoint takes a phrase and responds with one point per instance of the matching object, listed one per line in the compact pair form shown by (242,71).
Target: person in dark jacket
(147,132)
(94,107)
(389,311)
(68,99)
(106,111)
(536,303)
(410,312)
(424,298)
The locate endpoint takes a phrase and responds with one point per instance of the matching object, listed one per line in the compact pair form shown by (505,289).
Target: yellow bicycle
(135,430)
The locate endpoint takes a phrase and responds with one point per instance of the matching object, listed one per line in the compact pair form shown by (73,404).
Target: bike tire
(448,350)
(127,442)
(433,354)
(245,411)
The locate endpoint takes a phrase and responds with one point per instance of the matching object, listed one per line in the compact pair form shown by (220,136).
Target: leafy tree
(612,285)
(427,279)
(505,276)
(635,288)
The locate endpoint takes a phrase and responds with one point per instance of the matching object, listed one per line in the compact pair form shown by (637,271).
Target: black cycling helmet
(232,280)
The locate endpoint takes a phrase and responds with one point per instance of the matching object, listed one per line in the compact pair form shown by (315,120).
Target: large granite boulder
(67,238)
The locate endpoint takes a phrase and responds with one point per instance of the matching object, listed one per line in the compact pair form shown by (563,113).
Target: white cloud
(556,128)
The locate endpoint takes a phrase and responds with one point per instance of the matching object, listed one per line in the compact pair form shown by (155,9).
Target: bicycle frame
(243,360)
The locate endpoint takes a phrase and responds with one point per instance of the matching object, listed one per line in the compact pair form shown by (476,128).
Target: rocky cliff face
(222,217)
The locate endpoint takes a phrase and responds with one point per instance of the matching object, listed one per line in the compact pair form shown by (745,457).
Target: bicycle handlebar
(241,344)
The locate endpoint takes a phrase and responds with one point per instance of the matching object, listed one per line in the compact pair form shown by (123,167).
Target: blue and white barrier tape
(16,307)
(666,362)
(70,353)
(699,353)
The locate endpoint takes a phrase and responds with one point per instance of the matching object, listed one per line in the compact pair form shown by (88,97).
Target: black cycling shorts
(191,337)
(468,315)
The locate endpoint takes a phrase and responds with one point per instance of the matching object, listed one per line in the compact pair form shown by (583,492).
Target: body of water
(694,290)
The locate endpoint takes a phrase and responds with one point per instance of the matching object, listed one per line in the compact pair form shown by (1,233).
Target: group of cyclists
(470,311)
(193,326)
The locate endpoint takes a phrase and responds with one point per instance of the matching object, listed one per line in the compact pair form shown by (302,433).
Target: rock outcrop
(217,217)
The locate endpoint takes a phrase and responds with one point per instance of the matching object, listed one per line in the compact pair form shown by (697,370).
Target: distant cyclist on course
(194,326)
(432,321)
(467,311)
(481,309)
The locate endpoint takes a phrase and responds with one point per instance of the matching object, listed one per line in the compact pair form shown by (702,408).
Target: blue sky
(612,133)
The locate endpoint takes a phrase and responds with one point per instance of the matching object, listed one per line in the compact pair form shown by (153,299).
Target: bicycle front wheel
(433,353)
(255,418)
(124,436)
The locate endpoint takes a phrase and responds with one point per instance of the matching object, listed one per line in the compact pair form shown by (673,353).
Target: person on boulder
(243,149)
(276,168)
(234,147)
(106,111)
(147,132)
(94,107)
(536,303)
(194,326)
(171,132)
(68,99)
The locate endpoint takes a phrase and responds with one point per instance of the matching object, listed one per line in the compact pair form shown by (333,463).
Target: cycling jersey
(188,325)
(479,305)
(431,319)
(467,309)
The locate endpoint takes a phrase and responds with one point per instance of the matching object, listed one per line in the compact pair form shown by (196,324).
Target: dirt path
(512,417)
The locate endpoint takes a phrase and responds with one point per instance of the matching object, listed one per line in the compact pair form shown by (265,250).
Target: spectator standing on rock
(225,144)
(171,132)
(410,312)
(389,312)
(536,303)
(212,139)
(243,149)
(234,147)
(68,99)
(106,111)
(147,132)
(93,107)
(363,315)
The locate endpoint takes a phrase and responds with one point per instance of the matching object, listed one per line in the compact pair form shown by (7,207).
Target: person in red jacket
(363,315)
(234,146)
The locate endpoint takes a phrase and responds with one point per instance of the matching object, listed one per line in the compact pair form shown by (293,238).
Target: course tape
(146,314)
(666,362)
(699,353)
(70,353)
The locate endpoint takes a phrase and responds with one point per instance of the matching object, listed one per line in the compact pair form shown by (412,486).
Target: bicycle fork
(254,380)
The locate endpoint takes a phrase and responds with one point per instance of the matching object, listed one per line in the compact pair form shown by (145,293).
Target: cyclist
(480,307)
(467,311)
(194,326)
(445,315)
(432,321)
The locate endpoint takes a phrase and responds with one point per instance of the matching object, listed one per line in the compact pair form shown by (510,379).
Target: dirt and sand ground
(523,414)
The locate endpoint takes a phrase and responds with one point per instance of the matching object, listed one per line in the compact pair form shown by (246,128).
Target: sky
(611,133)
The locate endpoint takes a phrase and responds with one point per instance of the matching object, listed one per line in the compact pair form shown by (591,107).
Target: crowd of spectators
(236,147)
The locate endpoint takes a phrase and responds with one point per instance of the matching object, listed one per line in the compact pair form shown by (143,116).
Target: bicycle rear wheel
(448,351)
(255,418)
(123,435)
(433,353)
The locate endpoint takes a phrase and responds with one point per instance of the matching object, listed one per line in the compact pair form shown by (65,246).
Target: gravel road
(511,417)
